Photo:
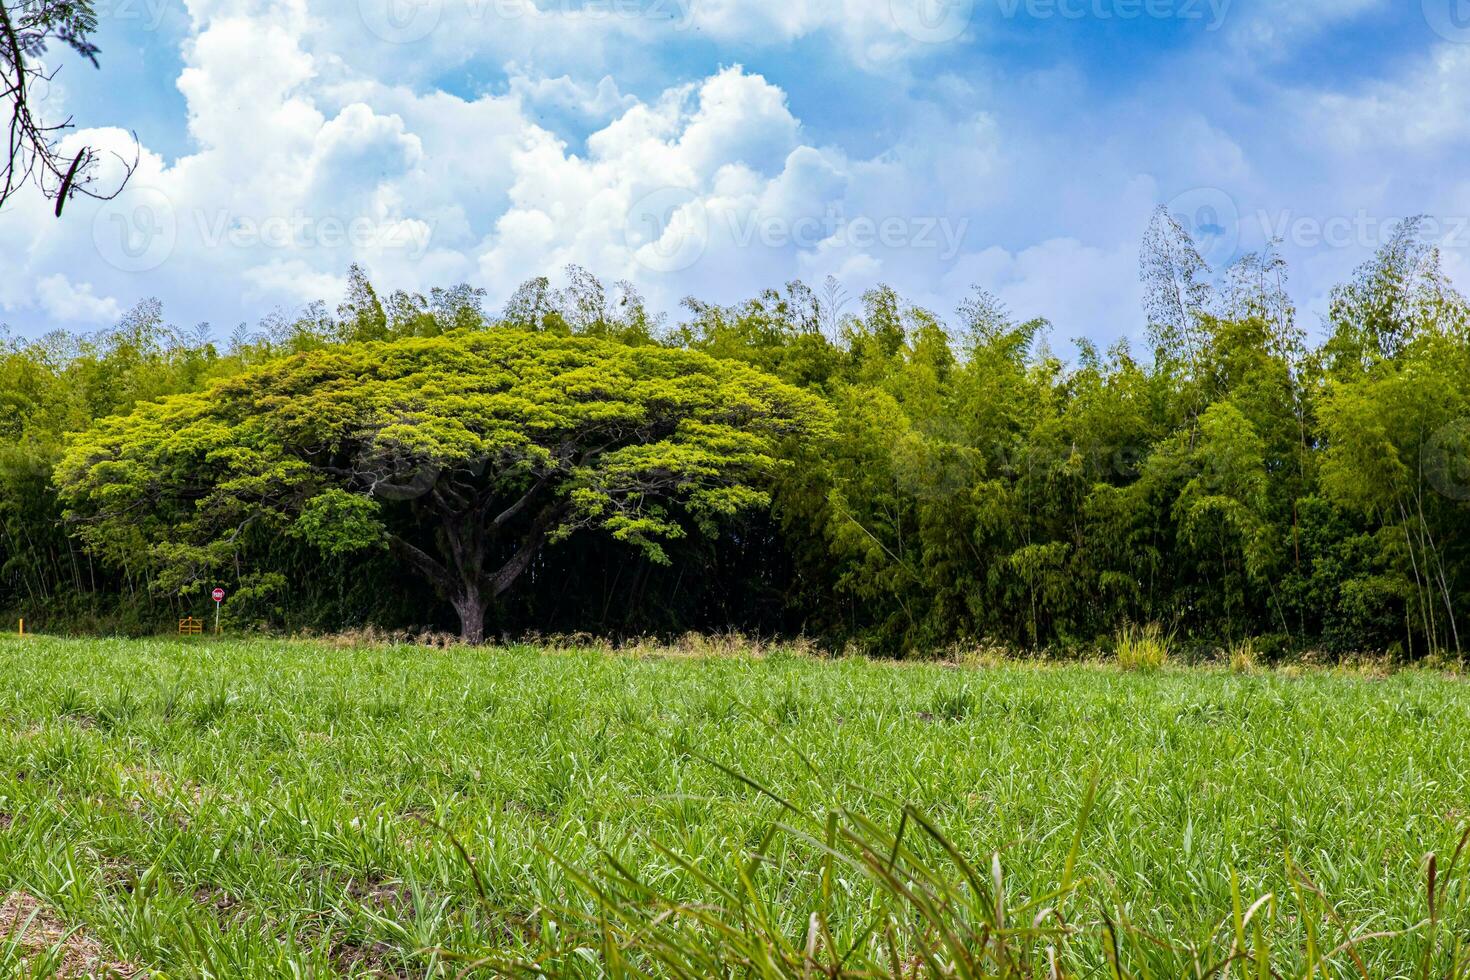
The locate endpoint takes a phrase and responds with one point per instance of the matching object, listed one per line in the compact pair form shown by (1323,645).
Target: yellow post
(22,627)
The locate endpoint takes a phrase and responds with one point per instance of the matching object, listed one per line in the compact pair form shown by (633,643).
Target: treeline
(1235,481)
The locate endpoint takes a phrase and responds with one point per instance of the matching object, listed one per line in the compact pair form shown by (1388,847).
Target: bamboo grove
(1245,476)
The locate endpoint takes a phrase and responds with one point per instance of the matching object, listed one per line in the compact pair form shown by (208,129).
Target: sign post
(218,595)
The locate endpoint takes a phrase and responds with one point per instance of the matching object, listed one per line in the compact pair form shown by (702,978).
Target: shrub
(1143,647)
(953,705)
(1242,656)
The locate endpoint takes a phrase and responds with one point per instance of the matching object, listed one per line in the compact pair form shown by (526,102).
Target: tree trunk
(459,575)
(471,608)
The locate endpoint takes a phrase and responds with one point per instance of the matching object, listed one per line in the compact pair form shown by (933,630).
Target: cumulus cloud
(1427,109)
(1078,287)
(305,160)
(567,35)
(493,140)
(598,102)
(1273,30)
(644,189)
(75,303)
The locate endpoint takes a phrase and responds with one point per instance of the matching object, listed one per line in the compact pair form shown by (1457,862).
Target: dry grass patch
(162,786)
(32,939)
(1243,657)
(1144,647)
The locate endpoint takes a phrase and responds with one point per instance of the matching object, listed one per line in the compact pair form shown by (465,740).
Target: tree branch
(32,150)
(531,545)
(510,513)
(424,562)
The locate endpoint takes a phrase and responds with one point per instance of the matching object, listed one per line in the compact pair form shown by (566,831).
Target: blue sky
(717,147)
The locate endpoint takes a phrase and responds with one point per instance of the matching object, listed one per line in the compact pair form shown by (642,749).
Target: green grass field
(261,808)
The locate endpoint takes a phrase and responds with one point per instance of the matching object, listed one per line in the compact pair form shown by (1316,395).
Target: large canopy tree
(466,454)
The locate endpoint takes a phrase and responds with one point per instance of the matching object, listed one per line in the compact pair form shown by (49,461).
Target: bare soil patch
(38,934)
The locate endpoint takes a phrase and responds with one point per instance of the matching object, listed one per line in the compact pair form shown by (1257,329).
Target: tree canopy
(465,454)
(968,485)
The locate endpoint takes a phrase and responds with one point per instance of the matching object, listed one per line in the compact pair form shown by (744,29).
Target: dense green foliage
(258,808)
(465,455)
(972,487)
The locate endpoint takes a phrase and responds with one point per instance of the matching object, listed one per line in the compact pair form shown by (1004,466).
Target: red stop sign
(218,595)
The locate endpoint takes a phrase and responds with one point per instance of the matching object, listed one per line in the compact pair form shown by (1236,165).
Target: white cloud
(1083,290)
(68,302)
(295,280)
(432,36)
(596,102)
(305,161)
(874,32)
(320,137)
(1273,30)
(652,174)
(1427,109)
